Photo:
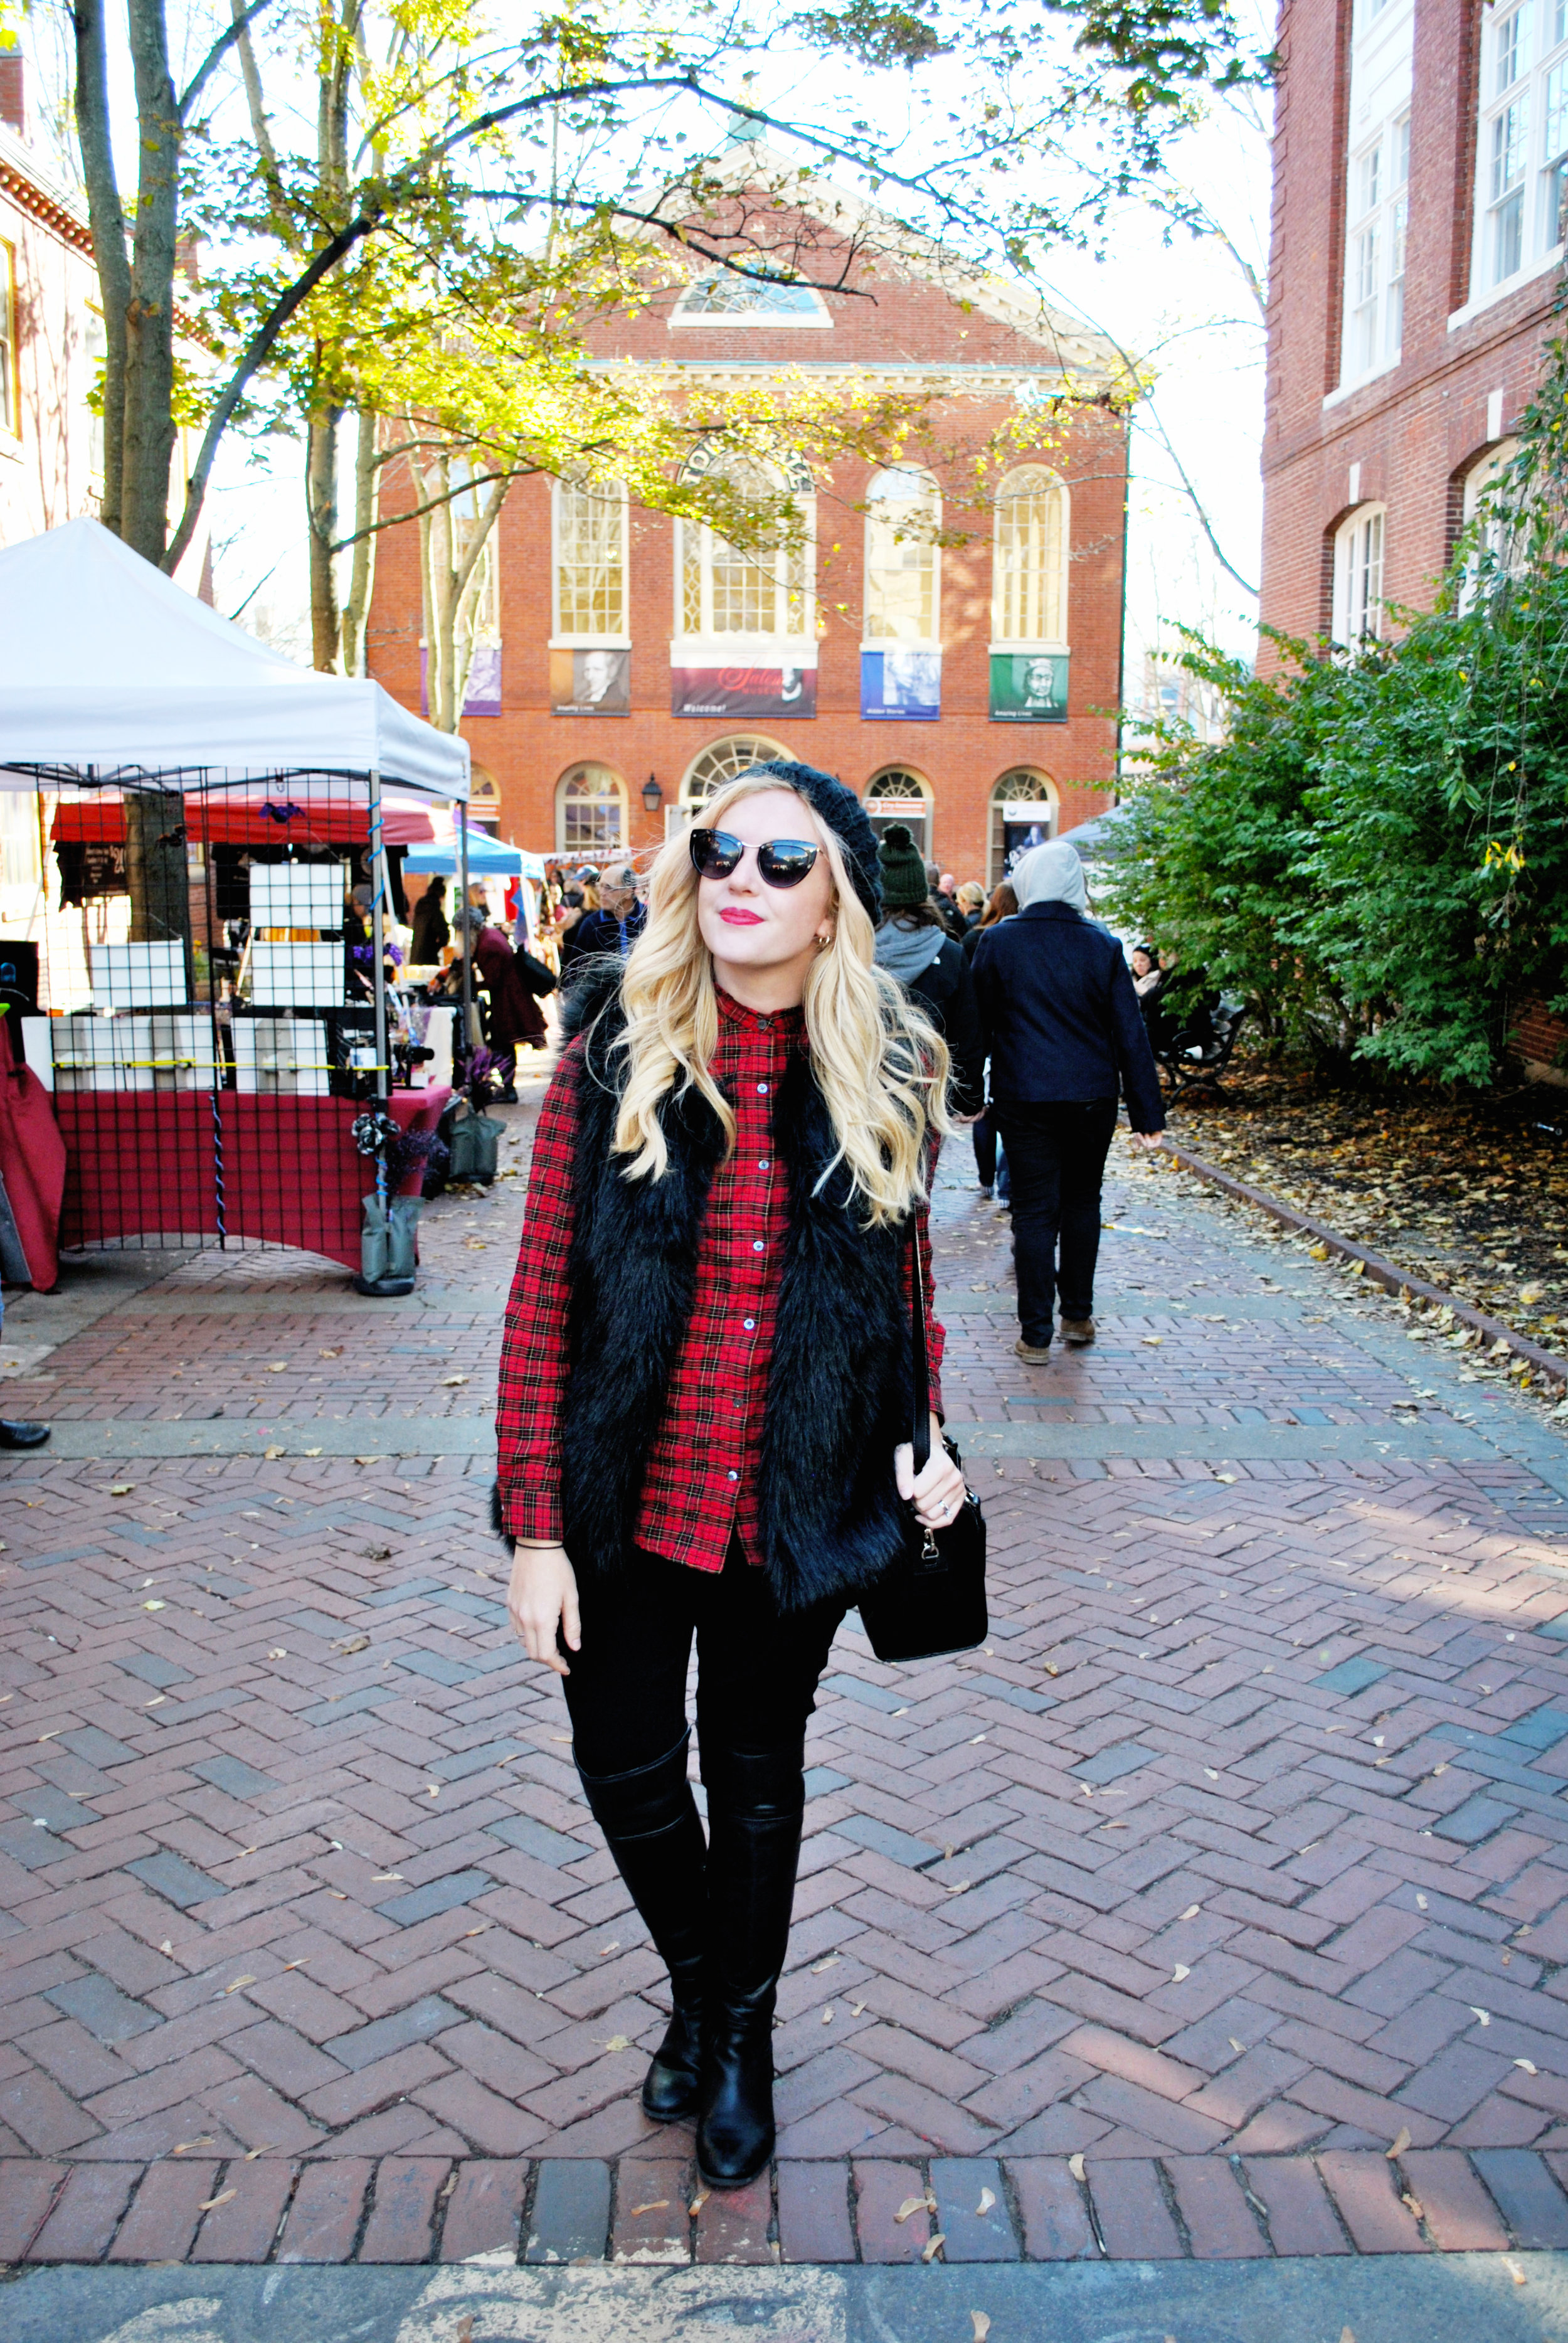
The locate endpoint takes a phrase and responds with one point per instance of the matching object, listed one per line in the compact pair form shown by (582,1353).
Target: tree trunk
(362,577)
(107,220)
(156,872)
(149,425)
(321,507)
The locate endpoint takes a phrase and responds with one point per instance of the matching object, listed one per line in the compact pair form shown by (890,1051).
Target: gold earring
(824,943)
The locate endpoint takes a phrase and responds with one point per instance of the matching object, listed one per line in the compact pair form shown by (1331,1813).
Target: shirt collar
(789,1022)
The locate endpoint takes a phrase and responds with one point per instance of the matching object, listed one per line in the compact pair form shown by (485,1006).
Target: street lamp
(652,795)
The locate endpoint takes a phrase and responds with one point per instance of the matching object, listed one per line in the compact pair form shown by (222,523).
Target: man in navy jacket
(1066,1036)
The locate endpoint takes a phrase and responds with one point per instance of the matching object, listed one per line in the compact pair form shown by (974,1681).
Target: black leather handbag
(930,1599)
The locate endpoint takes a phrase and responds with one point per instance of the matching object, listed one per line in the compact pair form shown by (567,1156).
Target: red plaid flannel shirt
(701,1480)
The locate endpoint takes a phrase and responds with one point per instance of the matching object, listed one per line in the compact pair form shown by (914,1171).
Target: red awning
(253,817)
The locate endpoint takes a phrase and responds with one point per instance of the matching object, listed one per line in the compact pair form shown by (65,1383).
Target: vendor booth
(208,982)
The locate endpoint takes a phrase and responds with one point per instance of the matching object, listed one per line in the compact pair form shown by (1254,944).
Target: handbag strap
(922,1424)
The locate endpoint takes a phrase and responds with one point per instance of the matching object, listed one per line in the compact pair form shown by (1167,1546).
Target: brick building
(1421,166)
(632,661)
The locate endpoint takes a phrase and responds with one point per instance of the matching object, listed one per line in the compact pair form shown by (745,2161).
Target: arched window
(1029,582)
(714,766)
(903,562)
(590,812)
(1358,577)
(1024,810)
(1495,554)
(761,594)
(590,562)
(484,800)
(898,793)
(729,296)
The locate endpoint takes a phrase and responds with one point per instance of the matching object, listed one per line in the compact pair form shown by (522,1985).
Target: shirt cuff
(534,1514)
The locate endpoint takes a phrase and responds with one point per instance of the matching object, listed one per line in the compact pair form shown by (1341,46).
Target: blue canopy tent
(488,857)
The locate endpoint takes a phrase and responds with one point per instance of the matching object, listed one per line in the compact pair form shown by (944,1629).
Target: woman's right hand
(543,1595)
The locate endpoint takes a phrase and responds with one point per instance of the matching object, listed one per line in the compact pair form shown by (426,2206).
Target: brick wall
(903,322)
(1416,430)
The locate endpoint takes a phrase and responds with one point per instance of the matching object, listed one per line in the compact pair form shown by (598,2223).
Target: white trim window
(1495,554)
(759,595)
(728,297)
(1522,148)
(590,812)
(590,536)
(903,558)
(1029,566)
(1375,273)
(722,761)
(1358,577)
(10,403)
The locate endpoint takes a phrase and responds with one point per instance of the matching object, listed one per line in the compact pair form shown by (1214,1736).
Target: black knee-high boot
(650,1823)
(755,1803)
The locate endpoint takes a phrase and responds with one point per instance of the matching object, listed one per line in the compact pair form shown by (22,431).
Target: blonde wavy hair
(878,1062)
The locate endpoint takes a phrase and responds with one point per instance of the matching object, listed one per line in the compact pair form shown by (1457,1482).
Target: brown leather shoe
(1078,1332)
(1031,1354)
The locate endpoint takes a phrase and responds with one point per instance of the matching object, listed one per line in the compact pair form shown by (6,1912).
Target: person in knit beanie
(914,945)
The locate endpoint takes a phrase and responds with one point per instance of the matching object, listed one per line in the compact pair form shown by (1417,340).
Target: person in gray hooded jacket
(913,944)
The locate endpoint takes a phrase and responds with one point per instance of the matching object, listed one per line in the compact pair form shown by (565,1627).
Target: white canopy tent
(110,671)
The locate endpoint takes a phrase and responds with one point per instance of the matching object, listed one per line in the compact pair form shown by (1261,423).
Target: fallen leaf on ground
(982,2326)
(617,2042)
(1515,2273)
(831,1962)
(186,2146)
(379,1878)
(1233,2043)
(1482,2016)
(237,1983)
(147,1606)
(277,1366)
(828,2016)
(987,2199)
(1181,1970)
(658,2205)
(368,1460)
(1192,1912)
(447,1381)
(1529,2065)
(221,2198)
(121,1488)
(699,2201)
(310,1451)
(353,1644)
(266,2150)
(1075,2166)
(931,2251)
(337,1353)
(1400,2142)
(910,2205)
(271,1455)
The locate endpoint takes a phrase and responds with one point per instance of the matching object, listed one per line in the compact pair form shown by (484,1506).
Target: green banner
(1029,686)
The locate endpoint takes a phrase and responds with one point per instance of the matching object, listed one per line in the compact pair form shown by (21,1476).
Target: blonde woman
(705,1396)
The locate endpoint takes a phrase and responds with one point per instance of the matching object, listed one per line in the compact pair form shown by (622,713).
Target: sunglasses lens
(715,853)
(785,861)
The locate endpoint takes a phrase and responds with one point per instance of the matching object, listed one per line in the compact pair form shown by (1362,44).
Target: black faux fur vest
(840,1380)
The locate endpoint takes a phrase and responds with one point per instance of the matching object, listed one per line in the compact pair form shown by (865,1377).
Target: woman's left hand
(938,1491)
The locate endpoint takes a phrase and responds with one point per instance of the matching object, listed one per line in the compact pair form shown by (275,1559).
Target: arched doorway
(900,794)
(1024,810)
(590,813)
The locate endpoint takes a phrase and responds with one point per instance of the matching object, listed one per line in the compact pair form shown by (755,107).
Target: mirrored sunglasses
(780,861)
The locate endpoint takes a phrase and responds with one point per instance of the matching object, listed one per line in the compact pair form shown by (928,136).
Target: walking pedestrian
(1065,1033)
(620,919)
(432,928)
(706,1381)
(514,981)
(913,945)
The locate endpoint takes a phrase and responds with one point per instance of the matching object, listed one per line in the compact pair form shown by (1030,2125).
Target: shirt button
(732,1476)
(758,1245)
(749,1325)
(762,1163)
(761,1089)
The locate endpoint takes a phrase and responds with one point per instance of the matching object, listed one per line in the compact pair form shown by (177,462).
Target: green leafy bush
(1376,854)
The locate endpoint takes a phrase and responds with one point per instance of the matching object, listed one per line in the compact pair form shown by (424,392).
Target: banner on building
(590,683)
(482,693)
(730,689)
(1029,686)
(898,683)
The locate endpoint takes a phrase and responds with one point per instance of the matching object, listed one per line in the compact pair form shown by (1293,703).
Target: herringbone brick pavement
(1218,1906)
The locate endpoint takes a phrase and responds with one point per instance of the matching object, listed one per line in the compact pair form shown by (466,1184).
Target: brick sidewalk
(1237,1858)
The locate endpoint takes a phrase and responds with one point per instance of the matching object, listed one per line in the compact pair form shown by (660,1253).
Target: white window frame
(1361,549)
(1376,193)
(1520,150)
(792,569)
(1001,639)
(563,638)
(815,319)
(597,850)
(1477,480)
(735,753)
(903,517)
(11,416)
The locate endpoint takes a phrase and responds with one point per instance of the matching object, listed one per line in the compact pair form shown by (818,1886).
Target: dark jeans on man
(757,1668)
(1057,1151)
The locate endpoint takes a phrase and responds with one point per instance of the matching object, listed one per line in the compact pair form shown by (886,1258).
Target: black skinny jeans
(757,1668)
(1056,1152)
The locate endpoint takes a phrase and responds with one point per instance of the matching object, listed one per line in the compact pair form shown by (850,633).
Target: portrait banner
(734,691)
(1029,686)
(590,682)
(901,684)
